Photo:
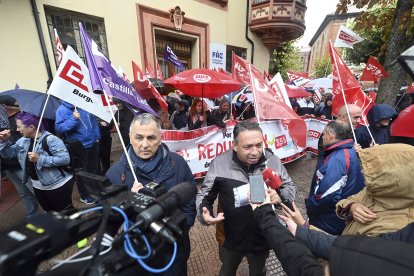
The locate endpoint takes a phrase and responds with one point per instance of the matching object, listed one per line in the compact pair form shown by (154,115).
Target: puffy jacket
(389,193)
(381,134)
(173,170)
(225,173)
(47,166)
(338,177)
(86,129)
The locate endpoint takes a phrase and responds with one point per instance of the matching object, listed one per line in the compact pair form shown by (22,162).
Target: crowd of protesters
(357,187)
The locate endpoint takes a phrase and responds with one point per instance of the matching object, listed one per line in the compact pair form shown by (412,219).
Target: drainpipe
(247,29)
(42,41)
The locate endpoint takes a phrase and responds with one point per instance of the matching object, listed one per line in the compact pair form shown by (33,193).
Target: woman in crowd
(325,110)
(197,116)
(52,184)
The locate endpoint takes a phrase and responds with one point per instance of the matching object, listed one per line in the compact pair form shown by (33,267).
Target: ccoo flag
(73,85)
(346,38)
(104,76)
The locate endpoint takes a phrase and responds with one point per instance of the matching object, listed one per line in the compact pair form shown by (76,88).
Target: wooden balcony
(277,21)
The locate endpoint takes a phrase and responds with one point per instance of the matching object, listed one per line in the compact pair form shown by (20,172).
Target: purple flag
(105,77)
(171,57)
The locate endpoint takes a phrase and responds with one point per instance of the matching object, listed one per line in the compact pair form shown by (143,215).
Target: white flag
(346,38)
(73,85)
(276,83)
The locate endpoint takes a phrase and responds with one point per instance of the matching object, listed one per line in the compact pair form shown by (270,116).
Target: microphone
(176,197)
(273,181)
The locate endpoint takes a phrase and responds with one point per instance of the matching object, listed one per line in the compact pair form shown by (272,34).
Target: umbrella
(321,82)
(203,83)
(403,125)
(296,91)
(245,95)
(32,102)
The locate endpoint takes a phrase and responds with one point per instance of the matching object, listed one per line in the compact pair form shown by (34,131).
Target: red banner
(373,71)
(240,69)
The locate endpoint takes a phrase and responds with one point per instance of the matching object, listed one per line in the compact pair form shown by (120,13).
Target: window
(241,52)
(67,26)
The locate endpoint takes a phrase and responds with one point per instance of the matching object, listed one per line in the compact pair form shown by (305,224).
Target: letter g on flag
(72,72)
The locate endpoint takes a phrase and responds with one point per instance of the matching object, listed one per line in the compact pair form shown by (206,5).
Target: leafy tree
(284,58)
(394,20)
(323,67)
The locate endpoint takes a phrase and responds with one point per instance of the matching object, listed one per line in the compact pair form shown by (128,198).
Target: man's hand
(5,134)
(209,219)
(76,115)
(33,156)
(136,187)
(274,197)
(357,147)
(361,213)
(296,216)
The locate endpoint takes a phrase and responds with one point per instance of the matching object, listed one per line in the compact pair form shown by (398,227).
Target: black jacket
(295,257)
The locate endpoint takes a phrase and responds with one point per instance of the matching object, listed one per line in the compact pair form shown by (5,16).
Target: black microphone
(176,197)
(272,180)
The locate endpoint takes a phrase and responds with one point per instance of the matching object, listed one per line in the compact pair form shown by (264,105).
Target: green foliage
(323,67)
(285,57)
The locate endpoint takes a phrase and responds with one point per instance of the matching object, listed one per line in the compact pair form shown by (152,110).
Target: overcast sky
(315,14)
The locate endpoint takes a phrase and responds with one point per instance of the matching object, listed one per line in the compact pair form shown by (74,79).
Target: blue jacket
(338,177)
(86,129)
(381,134)
(47,166)
(173,170)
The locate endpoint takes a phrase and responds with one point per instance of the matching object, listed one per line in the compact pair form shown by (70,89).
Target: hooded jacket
(179,119)
(338,177)
(225,174)
(85,129)
(389,192)
(381,134)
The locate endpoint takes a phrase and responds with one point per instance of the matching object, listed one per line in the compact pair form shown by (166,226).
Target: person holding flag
(78,124)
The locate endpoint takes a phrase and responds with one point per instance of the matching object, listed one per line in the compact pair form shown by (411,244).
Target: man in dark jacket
(179,118)
(379,118)
(337,177)
(153,162)
(228,178)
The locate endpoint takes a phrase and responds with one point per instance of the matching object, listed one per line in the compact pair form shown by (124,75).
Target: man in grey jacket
(227,178)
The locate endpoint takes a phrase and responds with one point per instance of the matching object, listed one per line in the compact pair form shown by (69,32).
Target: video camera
(151,225)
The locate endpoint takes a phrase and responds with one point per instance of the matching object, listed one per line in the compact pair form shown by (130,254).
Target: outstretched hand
(296,215)
(211,220)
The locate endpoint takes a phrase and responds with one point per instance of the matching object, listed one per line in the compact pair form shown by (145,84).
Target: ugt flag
(171,57)
(240,69)
(73,85)
(346,38)
(59,47)
(105,77)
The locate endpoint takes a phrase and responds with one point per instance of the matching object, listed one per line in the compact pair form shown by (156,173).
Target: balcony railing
(277,21)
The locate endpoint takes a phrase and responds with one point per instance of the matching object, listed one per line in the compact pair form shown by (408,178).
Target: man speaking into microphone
(228,178)
(153,162)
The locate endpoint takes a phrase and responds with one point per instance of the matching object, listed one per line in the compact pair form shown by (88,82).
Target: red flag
(240,69)
(145,88)
(59,47)
(149,72)
(373,71)
(270,106)
(410,89)
(160,76)
(344,80)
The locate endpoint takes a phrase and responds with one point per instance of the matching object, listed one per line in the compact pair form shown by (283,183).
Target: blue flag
(171,57)
(105,77)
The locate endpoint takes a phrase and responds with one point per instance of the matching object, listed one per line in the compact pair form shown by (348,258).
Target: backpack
(76,154)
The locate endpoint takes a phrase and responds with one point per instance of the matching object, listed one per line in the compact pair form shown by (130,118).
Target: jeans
(232,259)
(25,191)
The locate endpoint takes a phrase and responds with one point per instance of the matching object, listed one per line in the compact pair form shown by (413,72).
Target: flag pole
(40,121)
(110,109)
(342,91)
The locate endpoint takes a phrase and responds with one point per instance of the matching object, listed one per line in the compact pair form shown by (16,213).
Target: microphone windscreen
(271,178)
(185,191)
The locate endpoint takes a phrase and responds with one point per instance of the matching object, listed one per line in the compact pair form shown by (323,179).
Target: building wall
(21,56)
(320,49)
